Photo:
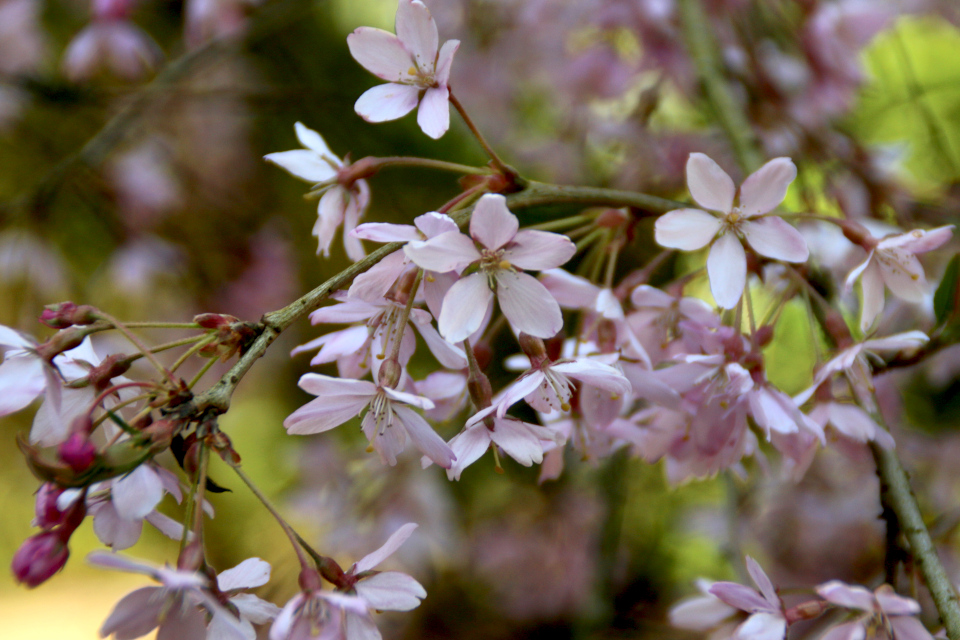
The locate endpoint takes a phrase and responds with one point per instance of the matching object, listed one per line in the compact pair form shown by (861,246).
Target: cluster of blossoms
(605,364)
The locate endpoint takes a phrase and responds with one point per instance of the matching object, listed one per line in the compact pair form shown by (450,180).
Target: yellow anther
(369,448)
(504,264)
(412,71)
(565,406)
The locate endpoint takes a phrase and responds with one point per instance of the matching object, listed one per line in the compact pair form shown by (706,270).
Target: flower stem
(501,166)
(295,539)
(137,343)
(427,163)
(191,351)
(698,33)
(896,491)
(405,316)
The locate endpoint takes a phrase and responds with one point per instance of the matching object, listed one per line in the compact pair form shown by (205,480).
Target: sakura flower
(723,229)
(410,62)
(520,440)
(249,574)
(503,251)
(851,422)
(767,620)
(179,607)
(854,362)
(23,374)
(345,613)
(882,608)
(893,261)
(117,45)
(700,613)
(343,202)
(387,424)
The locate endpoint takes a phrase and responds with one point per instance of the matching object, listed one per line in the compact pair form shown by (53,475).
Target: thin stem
(203,370)
(427,163)
(405,316)
(137,343)
(698,33)
(612,264)
(192,350)
(295,539)
(200,489)
(162,325)
(895,486)
(750,317)
(173,345)
(564,223)
(501,166)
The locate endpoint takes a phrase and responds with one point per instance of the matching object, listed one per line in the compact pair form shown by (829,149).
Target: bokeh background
(147,197)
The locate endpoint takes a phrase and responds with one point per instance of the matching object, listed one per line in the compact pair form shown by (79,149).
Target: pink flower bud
(67,314)
(47,512)
(78,452)
(38,558)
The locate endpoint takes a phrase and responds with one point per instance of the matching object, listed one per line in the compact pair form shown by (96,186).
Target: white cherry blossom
(340,204)
(726,225)
(410,62)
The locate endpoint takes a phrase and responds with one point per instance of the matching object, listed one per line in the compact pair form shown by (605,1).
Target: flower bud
(61,341)
(48,514)
(77,451)
(310,580)
(389,374)
(534,349)
(67,314)
(214,320)
(39,558)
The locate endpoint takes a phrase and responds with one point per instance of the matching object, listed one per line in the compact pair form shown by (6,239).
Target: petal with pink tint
(893,604)
(112,530)
(739,596)
(918,240)
(762,626)
(520,388)
(433,116)
(326,386)
(774,238)
(727,268)
(376,281)
(137,614)
(845,595)
(417,30)
(424,438)
(387,232)
(871,294)
(138,493)
(464,307)
(517,441)
(907,628)
(527,304)
(492,224)
(432,224)
(22,380)
(252,572)
(709,185)
(700,613)
(846,631)
(302,163)
(766,187)
(468,446)
(394,542)
(391,591)
(647,296)
(325,413)
(330,212)
(312,140)
(570,291)
(387,102)
(539,250)
(445,61)
(902,273)
(450,251)
(381,53)
(686,229)
(596,374)
(759,577)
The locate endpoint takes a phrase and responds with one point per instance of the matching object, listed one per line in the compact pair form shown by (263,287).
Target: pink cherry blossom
(700,613)
(893,262)
(249,574)
(410,62)
(504,252)
(723,229)
(388,422)
(520,440)
(118,46)
(767,620)
(342,203)
(883,607)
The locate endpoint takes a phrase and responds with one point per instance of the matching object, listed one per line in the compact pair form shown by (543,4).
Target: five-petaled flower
(410,62)
(498,252)
(712,189)
(343,202)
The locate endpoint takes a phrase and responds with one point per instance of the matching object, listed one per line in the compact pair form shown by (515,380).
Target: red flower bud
(78,452)
(46,510)
(39,558)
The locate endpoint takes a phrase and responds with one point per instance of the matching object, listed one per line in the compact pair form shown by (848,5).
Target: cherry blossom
(387,424)
(701,613)
(344,202)
(723,229)
(883,607)
(503,252)
(179,607)
(249,574)
(893,261)
(767,620)
(410,62)
(23,374)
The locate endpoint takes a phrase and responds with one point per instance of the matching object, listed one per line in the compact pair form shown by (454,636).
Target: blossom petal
(424,438)
(313,141)
(252,572)
(391,591)
(902,273)
(763,583)
(845,595)
(538,250)
(766,187)
(774,238)
(517,441)
(381,53)
(254,609)
(138,493)
(686,229)
(22,380)
(324,413)
(432,224)
(527,304)
(872,295)
(387,232)
(112,530)
(302,163)
(847,631)
(492,223)
(417,30)
(387,102)
(433,116)
(595,374)
(449,251)
(762,626)
(727,268)
(358,627)
(918,240)
(468,446)
(907,628)
(570,291)
(137,614)
(394,542)
(445,61)
(739,596)
(464,307)
(709,185)
(700,613)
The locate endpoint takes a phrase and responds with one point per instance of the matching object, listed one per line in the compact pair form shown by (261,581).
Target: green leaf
(945,299)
